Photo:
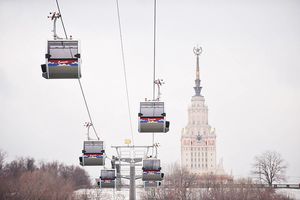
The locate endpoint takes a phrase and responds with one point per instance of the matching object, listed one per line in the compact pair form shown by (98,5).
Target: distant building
(198,138)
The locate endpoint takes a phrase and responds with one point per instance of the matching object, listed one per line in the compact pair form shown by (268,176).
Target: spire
(197,51)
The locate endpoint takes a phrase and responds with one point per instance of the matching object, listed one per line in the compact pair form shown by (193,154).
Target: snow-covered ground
(294,193)
(106,194)
(124,194)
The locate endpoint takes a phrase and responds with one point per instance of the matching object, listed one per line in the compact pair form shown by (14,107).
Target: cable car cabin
(62,60)
(93,154)
(151,170)
(152,118)
(108,178)
(152,184)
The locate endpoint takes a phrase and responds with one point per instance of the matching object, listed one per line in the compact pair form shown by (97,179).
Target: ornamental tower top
(197,51)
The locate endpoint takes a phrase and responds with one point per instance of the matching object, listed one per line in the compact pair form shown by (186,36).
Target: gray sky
(249,71)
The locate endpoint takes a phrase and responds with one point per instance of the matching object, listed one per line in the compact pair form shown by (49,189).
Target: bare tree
(180,184)
(43,185)
(75,174)
(80,178)
(182,181)
(3,182)
(23,179)
(242,189)
(2,157)
(269,167)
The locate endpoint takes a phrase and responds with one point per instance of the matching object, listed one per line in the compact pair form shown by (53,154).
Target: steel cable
(124,70)
(81,88)
(154,48)
(154,57)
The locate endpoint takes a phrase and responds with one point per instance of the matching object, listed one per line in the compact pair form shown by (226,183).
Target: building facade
(198,138)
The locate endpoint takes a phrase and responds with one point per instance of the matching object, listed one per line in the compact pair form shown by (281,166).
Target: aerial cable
(154,48)
(124,69)
(62,21)
(87,108)
(81,88)
(154,58)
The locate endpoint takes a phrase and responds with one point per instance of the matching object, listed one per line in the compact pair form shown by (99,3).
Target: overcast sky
(249,71)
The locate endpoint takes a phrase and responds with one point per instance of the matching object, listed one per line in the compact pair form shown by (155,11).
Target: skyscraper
(198,138)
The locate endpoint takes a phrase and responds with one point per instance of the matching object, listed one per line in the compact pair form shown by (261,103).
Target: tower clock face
(199,137)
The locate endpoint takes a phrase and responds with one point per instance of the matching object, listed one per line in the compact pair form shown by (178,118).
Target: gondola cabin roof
(153,108)
(93,146)
(108,174)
